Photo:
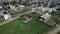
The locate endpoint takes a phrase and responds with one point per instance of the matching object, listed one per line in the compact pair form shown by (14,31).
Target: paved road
(55,31)
(14,18)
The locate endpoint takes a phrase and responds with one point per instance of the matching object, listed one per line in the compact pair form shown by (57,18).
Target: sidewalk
(55,31)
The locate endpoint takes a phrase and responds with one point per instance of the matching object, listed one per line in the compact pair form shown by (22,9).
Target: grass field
(1,20)
(18,27)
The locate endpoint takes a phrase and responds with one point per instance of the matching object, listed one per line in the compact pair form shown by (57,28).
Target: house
(45,17)
(42,10)
(52,3)
(7,16)
(47,9)
(22,7)
(57,9)
(25,18)
(37,10)
(4,14)
(13,9)
(34,5)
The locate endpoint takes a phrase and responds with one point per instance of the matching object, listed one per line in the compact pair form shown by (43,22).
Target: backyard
(32,27)
(56,15)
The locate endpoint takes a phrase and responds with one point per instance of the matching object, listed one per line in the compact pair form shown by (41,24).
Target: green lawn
(1,20)
(18,27)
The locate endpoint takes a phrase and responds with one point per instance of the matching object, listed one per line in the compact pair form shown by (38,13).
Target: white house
(48,9)
(7,16)
(38,10)
(41,10)
(45,17)
(22,7)
(12,7)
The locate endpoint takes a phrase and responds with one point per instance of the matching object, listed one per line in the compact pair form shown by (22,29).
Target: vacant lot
(32,27)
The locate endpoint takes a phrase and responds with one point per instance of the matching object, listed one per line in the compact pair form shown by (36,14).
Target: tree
(20,0)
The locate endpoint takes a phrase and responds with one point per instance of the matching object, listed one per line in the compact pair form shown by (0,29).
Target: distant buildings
(42,10)
(48,9)
(53,3)
(4,14)
(32,4)
(4,0)
(16,9)
(37,10)
(12,9)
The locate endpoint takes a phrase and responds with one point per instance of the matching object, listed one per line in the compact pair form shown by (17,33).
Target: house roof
(21,5)
(7,16)
(46,15)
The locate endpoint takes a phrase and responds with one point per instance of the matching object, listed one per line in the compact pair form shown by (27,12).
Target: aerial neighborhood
(29,16)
